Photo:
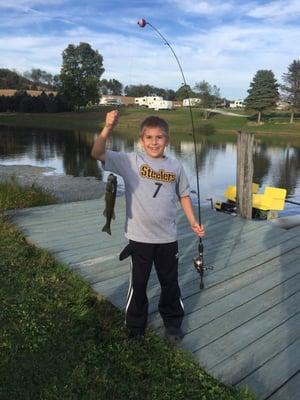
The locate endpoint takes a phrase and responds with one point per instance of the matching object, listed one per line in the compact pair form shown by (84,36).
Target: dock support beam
(244,177)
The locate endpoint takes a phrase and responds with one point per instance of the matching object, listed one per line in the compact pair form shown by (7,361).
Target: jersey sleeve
(115,161)
(183,185)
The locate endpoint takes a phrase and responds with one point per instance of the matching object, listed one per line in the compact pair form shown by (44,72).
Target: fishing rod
(292,202)
(199,260)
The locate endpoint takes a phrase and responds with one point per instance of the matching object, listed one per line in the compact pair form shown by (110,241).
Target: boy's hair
(153,122)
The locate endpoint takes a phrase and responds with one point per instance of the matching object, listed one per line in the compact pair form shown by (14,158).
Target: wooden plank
(86,246)
(55,212)
(275,372)
(102,271)
(198,315)
(217,228)
(255,243)
(206,312)
(77,207)
(240,364)
(62,221)
(229,341)
(96,276)
(229,320)
(189,282)
(92,239)
(289,391)
(241,281)
(221,254)
(239,234)
(64,246)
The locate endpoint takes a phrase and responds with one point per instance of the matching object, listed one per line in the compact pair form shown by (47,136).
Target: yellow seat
(272,199)
(230,192)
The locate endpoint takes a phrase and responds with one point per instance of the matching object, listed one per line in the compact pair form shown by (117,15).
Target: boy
(153,183)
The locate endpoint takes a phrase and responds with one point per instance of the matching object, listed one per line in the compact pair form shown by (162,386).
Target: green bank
(58,340)
(274,123)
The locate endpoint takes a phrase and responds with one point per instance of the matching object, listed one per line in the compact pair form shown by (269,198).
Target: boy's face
(154,142)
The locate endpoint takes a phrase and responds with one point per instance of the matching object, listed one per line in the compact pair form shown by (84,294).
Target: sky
(222,42)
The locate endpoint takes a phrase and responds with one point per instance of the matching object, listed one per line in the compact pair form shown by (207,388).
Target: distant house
(223,103)
(154,102)
(282,105)
(193,102)
(177,104)
(113,100)
(236,103)
(110,101)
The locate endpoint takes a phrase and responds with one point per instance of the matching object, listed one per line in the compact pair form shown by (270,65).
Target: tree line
(44,103)
(79,84)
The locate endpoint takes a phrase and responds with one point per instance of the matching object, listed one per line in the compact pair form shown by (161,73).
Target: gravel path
(65,188)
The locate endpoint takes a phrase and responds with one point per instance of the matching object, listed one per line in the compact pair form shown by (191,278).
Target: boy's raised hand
(111,119)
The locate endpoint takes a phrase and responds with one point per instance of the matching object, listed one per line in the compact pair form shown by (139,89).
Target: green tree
(184,92)
(56,82)
(291,89)
(12,80)
(149,90)
(111,86)
(170,94)
(80,75)
(263,92)
(103,87)
(39,77)
(208,94)
(140,90)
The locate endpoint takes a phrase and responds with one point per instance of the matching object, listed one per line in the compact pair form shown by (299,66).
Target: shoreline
(66,188)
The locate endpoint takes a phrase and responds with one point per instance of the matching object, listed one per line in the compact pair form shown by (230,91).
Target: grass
(58,340)
(13,195)
(179,119)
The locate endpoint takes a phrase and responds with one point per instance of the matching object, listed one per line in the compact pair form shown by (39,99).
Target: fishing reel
(199,264)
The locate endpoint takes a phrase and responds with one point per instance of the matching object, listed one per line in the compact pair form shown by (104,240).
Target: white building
(111,101)
(282,105)
(194,101)
(154,102)
(236,104)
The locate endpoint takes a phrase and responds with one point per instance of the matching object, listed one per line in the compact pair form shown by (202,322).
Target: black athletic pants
(165,259)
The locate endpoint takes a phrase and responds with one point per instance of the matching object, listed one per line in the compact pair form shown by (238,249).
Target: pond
(69,153)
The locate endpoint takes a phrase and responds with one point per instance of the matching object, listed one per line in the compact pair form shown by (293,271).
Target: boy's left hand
(198,229)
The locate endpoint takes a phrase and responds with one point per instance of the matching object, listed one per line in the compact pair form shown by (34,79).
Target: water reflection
(69,153)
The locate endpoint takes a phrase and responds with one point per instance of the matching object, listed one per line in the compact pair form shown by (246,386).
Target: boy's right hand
(111,119)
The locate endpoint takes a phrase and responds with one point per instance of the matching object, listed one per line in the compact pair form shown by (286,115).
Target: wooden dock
(244,328)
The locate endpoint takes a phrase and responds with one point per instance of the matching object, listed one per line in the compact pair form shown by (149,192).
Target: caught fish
(110,199)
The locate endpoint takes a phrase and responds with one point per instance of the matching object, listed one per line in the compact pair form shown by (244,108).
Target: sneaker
(136,336)
(173,335)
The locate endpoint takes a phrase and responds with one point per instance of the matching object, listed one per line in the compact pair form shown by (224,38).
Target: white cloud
(282,10)
(227,56)
(225,53)
(206,8)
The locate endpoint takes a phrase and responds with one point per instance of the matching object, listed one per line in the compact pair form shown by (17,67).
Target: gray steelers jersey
(152,189)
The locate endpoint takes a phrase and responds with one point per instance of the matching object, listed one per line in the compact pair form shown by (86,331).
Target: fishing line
(142,23)
(198,261)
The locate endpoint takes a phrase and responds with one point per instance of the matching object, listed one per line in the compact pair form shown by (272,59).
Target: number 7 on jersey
(159,185)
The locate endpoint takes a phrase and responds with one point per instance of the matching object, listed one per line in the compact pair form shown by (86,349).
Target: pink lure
(142,23)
